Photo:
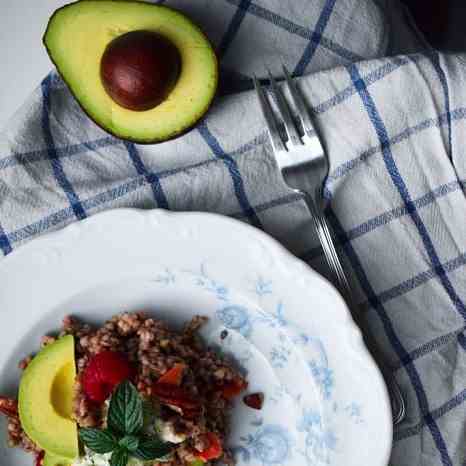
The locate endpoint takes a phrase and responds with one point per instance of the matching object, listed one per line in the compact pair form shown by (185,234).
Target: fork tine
(298,101)
(267,112)
(285,111)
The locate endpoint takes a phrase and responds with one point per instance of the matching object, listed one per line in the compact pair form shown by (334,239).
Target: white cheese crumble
(95,459)
(167,434)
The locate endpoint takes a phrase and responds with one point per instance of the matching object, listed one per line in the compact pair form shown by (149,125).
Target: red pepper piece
(175,396)
(174,376)
(8,407)
(214,450)
(254,400)
(233,389)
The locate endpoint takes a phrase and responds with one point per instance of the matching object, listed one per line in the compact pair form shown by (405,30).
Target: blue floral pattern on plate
(293,367)
(270,444)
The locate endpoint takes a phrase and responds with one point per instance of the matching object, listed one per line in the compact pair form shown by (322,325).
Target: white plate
(289,329)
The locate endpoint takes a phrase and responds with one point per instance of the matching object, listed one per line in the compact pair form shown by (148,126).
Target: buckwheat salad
(131,392)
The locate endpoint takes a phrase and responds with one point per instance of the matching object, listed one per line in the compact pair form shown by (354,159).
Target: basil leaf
(119,457)
(125,414)
(152,449)
(99,441)
(130,442)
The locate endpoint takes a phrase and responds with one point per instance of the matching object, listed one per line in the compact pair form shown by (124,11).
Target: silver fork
(304,167)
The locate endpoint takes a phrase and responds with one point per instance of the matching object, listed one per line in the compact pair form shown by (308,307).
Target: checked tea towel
(394,128)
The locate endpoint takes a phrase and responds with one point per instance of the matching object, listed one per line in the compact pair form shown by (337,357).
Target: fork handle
(335,265)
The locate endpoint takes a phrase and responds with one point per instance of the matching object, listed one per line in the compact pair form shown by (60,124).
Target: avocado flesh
(46,397)
(50,460)
(76,38)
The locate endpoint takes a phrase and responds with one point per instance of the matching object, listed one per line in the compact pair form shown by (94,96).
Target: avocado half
(77,37)
(45,401)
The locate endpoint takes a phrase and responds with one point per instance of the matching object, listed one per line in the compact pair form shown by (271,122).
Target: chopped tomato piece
(214,450)
(232,389)
(174,376)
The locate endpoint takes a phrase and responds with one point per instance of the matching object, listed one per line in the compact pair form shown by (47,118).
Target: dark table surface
(442,21)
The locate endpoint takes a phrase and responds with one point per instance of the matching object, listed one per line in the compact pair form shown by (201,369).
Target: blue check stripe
(446,93)
(393,214)
(374,76)
(278,202)
(400,185)
(315,38)
(65,216)
(5,244)
(233,28)
(407,286)
(58,218)
(402,289)
(418,280)
(344,169)
(432,345)
(462,340)
(456,401)
(27,158)
(296,29)
(400,211)
(247,147)
(235,174)
(100,200)
(396,344)
(151,177)
(57,166)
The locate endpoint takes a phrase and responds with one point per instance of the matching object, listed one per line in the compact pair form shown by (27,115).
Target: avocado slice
(45,399)
(50,460)
(77,38)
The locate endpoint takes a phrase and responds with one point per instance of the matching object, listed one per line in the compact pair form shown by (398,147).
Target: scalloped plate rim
(273,245)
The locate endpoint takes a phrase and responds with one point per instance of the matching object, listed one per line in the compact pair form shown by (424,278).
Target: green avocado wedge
(50,460)
(79,34)
(46,397)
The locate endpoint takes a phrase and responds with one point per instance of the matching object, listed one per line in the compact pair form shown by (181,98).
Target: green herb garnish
(124,436)
(119,457)
(125,414)
(99,441)
(152,448)
(130,442)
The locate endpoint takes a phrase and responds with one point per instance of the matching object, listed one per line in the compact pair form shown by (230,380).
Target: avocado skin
(141,141)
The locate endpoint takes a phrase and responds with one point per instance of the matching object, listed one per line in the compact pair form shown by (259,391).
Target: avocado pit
(139,69)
